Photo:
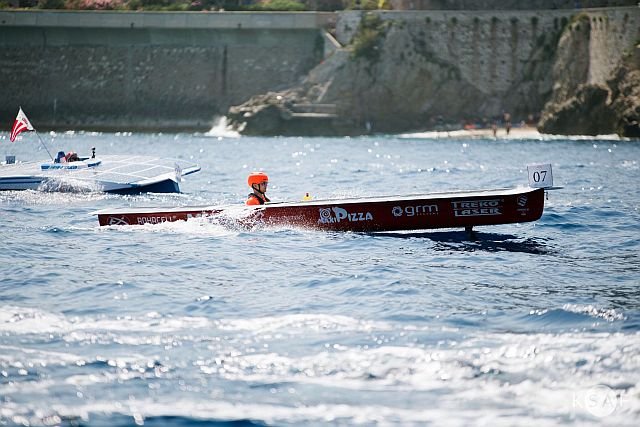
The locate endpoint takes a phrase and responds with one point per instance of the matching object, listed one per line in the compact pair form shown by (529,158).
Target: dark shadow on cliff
(462,241)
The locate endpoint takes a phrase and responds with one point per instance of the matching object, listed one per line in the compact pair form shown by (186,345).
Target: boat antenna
(43,144)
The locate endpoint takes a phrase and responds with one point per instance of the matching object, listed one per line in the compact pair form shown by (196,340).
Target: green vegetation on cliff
(171,5)
(368,40)
(159,5)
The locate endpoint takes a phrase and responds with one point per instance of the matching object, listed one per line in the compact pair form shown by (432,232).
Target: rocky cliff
(596,79)
(411,71)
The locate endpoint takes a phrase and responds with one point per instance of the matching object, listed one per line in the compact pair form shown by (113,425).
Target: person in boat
(258,182)
(72,156)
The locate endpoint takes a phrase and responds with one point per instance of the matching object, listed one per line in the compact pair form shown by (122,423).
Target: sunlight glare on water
(200,321)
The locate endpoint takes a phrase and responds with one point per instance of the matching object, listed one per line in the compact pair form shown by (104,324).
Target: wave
(572,316)
(369,385)
(23,320)
(280,369)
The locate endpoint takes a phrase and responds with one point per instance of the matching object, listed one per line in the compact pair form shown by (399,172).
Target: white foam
(33,197)
(608,314)
(69,185)
(503,378)
(22,320)
(36,357)
(515,134)
(221,129)
(520,409)
(216,409)
(204,226)
(302,323)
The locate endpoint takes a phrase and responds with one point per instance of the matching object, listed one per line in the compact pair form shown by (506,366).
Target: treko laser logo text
(477,207)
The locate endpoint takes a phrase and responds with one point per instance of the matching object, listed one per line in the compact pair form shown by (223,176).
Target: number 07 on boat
(454,209)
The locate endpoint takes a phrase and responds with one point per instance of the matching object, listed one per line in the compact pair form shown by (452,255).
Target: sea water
(196,323)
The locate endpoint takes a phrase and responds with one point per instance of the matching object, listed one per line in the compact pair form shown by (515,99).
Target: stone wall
(147,71)
(505,4)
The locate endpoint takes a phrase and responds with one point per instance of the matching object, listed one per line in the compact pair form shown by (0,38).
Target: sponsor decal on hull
(153,219)
(419,210)
(521,201)
(337,214)
(477,207)
(114,220)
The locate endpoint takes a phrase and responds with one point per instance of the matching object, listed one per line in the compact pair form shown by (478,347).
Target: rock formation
(587,100)
(404,72)
(625,94)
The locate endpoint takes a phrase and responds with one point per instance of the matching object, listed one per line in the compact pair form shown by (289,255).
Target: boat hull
(17,183)
(112,174)
(417,212)
(166,186)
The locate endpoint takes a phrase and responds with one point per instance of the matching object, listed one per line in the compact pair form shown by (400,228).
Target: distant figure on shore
(507,122)
(494,128)
(531,121)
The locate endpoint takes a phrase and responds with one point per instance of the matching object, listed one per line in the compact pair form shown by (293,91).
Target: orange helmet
(257,178)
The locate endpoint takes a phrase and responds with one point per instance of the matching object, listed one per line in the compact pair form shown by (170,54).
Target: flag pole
(44,145)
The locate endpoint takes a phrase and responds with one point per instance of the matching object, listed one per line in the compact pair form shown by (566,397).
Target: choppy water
(197,324)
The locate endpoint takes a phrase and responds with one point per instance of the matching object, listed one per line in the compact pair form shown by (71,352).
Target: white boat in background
(117,174)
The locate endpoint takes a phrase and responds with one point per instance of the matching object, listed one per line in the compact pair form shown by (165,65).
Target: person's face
(263,186)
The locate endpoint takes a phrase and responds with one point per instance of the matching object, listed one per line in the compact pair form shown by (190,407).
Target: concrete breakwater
(145,70)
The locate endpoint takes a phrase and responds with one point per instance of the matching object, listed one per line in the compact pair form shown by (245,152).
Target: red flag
(20,125)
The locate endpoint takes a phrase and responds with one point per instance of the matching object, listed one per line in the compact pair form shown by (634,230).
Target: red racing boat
(464,209)
(458,209)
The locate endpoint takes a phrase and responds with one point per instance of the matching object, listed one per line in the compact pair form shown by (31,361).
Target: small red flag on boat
(20,125)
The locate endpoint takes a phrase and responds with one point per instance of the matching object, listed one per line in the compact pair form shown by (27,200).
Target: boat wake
(68,185)
(36,197)
(232,221)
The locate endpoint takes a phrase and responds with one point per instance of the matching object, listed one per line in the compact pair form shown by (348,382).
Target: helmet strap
(255,188)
